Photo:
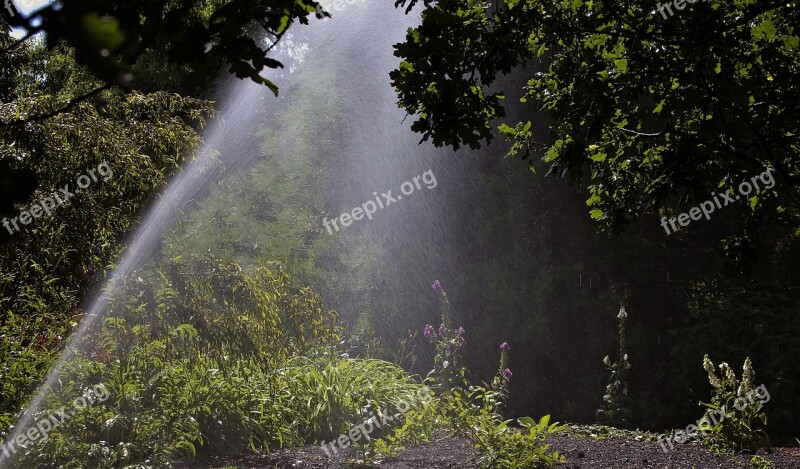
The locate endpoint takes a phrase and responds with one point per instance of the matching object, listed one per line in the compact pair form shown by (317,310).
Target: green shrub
(330,394)
(499,445)
(759,462)
(28,345)
(192,366)
(419,426)
(507,448)
(738,430)
(220,364)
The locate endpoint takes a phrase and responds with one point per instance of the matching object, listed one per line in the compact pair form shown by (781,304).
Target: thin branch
(19,41)
(71,104)
(642,134)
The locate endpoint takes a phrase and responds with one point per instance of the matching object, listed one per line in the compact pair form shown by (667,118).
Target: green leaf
(526,422)
(764,30)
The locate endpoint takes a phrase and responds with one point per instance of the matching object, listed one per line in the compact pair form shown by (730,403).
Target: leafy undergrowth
(597,432)
(180,390)
(179,387)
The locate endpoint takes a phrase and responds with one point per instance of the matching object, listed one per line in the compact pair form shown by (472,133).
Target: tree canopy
(111,37)
(656,110)
(136,45)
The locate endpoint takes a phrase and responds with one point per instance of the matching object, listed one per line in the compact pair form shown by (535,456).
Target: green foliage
(329,395)
(476,414)
(419,426)
(526,448)
(273,210)
(754,319)
(365,342)
(739,429)
(474,411)
(112,37)
(53,262)
(180,387)
(453,108)
(617,409)
(599,432)
(28,344)
(656,113)
(760,462)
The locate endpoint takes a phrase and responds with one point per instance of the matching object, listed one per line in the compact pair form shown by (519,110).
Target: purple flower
(449,349)
(428,331)
(507,373)
(460,331)
(437,286)
(504,346)
(442,329)
(461,341)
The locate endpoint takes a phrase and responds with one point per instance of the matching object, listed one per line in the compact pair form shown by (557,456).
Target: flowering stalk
(740,406)
(616,411)
(446,320)
(500,381)
(448,368)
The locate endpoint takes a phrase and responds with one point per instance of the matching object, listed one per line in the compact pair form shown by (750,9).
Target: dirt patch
(585,453)
(443,453)
(581,453)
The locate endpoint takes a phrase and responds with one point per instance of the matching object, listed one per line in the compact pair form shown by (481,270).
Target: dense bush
(49,266)
(222,362)
(194,366)
(329,394)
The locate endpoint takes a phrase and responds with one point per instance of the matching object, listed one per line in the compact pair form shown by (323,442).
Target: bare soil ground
(581,453)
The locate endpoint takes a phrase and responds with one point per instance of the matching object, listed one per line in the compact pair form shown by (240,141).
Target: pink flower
(504,346)
(507,373)
(437,286)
